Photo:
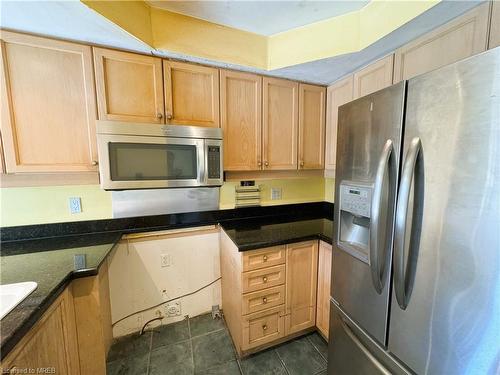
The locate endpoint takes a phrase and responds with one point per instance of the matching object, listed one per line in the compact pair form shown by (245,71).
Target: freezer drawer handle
(378,262)
(413,172)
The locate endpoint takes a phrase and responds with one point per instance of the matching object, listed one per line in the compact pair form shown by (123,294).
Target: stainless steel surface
(404,267)
(451,324)
(386,173)
(365,126)
(353,352)
(157,130)
(109,132)
(129,203)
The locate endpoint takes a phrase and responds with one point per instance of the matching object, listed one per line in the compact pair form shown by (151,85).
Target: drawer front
(263,278)
(263,327)
(270,256)
(263,299)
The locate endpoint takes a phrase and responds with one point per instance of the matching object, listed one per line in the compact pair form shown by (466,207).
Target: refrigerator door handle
(412,173)
(377,265)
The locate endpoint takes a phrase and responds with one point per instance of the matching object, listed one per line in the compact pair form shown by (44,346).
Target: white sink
(12,295)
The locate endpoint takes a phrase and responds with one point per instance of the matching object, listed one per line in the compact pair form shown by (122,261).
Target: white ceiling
(261,17)
(74,21)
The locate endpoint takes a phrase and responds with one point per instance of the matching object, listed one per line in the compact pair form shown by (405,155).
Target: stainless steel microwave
(143,156)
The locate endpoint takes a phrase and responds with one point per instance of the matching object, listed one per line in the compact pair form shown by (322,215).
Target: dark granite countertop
(258,233)
(50,263)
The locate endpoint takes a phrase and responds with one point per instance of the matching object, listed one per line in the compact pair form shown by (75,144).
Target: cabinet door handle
(259,163)
(264,299)
(264,327)
(264,279)
(266,164)
(301,163)
(95,162)
(169,116)
(265,258)
(159,115)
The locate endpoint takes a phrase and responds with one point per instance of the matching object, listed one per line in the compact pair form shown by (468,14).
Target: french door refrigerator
(416,250)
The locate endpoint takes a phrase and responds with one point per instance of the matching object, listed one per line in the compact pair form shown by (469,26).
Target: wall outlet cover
(75,205)
(276,193)
(173,309)
(166,260)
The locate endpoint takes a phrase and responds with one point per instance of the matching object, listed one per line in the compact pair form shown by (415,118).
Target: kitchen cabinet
(374,77)
(48,102)
(51,343)
(280,123)
(241,120)
(494,40)
(337,94)
(191,94)
(129,86)
(312,103)
(462,37)
(269,294)
(301,283)
(324,281)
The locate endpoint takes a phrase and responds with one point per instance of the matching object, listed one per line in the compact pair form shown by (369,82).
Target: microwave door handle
(202,162)
(412,173)
(377,269)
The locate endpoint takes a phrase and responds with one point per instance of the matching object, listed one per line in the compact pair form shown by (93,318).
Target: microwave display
(214,162)
(143,161)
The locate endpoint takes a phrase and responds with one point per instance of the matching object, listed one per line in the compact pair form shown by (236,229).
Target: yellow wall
(329,190)
(37,205)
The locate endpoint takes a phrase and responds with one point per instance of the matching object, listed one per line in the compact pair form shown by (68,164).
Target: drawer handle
(264,299)
(264,327)
(264,279)
(265,258)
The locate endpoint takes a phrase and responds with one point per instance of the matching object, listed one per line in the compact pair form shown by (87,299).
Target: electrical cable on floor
(163,302)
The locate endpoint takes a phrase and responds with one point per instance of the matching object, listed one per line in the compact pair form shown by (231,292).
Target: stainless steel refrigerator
(416,250)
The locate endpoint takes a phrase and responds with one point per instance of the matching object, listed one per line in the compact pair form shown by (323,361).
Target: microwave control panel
(213,156)
(356,199)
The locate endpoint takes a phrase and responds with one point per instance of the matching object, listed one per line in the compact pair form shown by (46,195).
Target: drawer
(270,256)
(263,327)
(263,299)
(263,278)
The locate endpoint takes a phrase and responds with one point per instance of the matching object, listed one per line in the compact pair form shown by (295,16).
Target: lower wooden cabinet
(73,336)
(268,295)
(324,280)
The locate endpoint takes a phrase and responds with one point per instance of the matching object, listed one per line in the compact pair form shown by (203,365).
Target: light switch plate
(75,205)
(275,193)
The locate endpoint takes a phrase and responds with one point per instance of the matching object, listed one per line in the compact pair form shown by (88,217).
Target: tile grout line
(191,343)
(208,333)
(149,353)
(317,350)
(282,363)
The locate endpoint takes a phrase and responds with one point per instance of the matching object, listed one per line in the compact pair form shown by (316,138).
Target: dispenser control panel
(356,199)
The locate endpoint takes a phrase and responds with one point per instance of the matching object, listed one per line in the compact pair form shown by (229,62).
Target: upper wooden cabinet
(324,280)
(48,105)
(337,94)
(311,126)
(465,36)
(191,94)
(301,284)
(129,86)
(280,123)
(495,25)
(374,77)
(241,119)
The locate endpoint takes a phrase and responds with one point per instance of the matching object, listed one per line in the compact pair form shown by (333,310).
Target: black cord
(161,303)
(149,321)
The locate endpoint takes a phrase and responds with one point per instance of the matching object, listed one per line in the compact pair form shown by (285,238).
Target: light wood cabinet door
(374,77)
(48,105)
(311,127)
(129,86)
(301,283)
(241,120)
(337,94)
(324,280)
(191,94)
(494,25)
(460,38)
(51,343)
(280,123)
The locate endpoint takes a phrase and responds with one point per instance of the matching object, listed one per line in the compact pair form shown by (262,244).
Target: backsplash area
(50,204)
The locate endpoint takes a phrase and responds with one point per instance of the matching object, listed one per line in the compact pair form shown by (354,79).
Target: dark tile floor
(201,345)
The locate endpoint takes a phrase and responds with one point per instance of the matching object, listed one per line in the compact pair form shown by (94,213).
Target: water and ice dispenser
(354,219)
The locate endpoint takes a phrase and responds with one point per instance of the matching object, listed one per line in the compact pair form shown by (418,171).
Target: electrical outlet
(275,193)
(166,260)
(75,205)
(173,309)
